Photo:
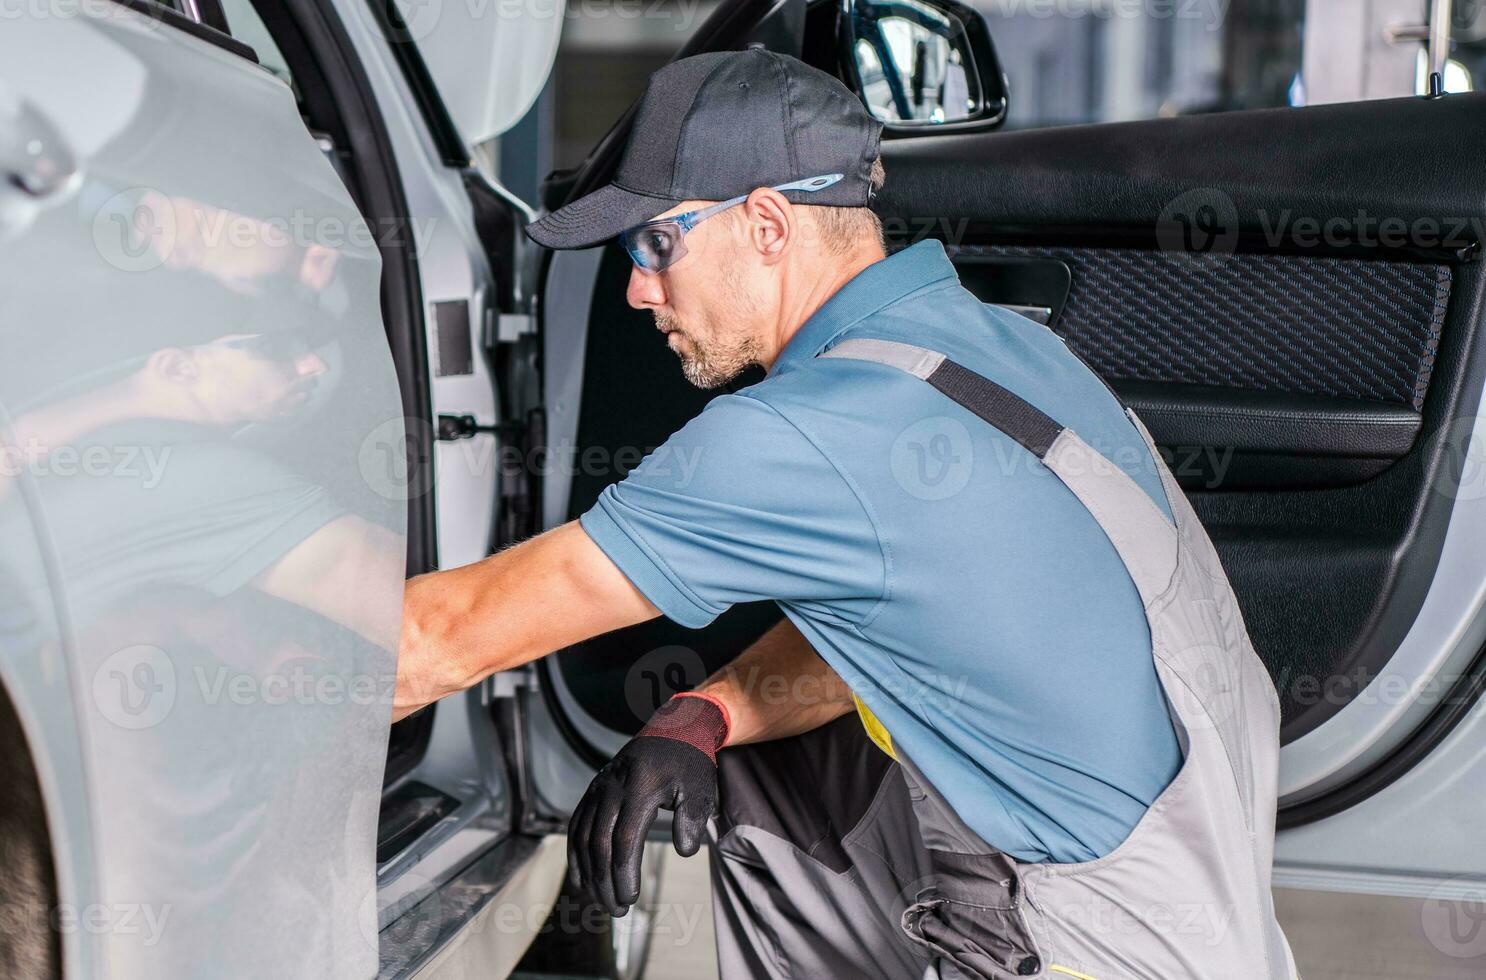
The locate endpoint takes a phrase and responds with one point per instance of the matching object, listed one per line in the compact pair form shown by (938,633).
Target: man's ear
(773,224)
(172,364)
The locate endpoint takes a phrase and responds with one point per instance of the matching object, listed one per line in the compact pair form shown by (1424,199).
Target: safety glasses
(656,245)
(279,345)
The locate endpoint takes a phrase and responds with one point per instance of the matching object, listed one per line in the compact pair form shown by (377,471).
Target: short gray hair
(844,229)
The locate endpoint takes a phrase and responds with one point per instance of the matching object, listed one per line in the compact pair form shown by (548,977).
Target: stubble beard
(718,360)
(709,365)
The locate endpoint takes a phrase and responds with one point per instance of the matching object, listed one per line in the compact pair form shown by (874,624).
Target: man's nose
(644,290)
(310,365)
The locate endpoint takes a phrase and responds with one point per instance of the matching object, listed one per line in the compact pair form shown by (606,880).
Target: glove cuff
(699,720)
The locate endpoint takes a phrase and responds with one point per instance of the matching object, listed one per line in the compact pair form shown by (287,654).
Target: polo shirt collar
(880,284)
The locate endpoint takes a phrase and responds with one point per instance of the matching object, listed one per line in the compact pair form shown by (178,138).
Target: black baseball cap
(717,125)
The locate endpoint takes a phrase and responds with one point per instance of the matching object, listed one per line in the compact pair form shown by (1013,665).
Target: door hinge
(518,482)
(507,683)
(452,428)
(508,328)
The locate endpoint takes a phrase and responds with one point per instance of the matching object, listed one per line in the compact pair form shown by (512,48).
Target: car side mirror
(922,66)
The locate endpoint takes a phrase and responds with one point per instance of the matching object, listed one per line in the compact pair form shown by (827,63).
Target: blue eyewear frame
(651,257)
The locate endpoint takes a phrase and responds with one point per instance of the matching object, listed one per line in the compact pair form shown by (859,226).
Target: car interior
(1302,386)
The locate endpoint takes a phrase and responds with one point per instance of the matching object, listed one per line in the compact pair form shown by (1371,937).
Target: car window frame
(203,19)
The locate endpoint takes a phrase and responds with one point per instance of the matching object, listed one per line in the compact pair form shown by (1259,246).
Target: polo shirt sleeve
(738,506)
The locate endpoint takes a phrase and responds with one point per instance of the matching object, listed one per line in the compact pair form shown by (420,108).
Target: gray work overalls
(832,860)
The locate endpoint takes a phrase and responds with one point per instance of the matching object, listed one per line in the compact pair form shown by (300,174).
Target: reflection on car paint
(193,359)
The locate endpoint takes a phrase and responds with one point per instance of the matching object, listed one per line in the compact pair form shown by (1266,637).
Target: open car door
(200,613)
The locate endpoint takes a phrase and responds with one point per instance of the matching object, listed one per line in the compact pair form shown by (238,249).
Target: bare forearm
(777,688)
(462,625)
(348,571)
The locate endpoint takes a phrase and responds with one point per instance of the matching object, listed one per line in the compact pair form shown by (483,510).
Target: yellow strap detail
(1055,968)
(875,730)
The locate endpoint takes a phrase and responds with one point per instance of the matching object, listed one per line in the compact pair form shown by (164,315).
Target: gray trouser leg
(816,855)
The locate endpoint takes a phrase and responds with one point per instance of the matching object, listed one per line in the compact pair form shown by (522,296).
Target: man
(1074,770)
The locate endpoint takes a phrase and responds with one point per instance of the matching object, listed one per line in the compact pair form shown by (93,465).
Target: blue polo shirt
(959,588)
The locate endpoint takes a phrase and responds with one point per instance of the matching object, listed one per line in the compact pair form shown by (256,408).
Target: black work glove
(670,765)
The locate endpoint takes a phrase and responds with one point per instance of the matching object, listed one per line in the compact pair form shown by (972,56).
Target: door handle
(1037,314)
(33,154)
(1436,33)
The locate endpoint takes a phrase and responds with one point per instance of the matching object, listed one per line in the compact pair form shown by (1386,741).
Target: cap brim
(596,217)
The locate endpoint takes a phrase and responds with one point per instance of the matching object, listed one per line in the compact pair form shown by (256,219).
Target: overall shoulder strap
(1144,538)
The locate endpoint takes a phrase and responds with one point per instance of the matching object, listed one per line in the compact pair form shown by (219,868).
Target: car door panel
(1110,182)
(450,842)
(1255,370)
(196,367)
(1232,438)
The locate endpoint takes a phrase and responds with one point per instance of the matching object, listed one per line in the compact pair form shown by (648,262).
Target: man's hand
(670,765)
(461,626)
